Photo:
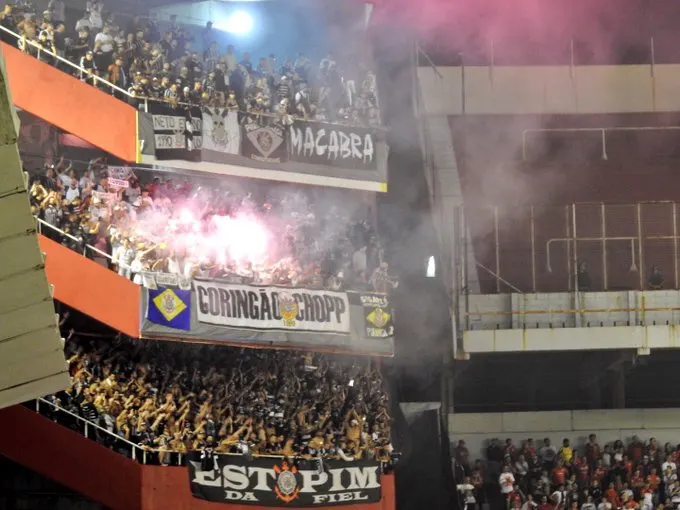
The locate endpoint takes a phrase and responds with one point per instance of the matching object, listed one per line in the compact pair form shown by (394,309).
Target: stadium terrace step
(119,483)
(91,288)
(71,105)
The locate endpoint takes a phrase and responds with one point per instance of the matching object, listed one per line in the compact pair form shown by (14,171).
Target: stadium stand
(538,474)
(174,398)
(257,233)
(137,61)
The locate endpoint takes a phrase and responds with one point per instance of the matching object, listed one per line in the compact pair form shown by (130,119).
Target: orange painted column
(92,289)
(71,105)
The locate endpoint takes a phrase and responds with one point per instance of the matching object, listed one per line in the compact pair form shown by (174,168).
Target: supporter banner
(264,143)
(170,307)
(305,152)
(333,145)
(177,131)
(275,482)
(377,316)
(104,198)
(117,183)
(352,322)
(244,306)
(122,173)
(99,212)
(221,131)
(154,280)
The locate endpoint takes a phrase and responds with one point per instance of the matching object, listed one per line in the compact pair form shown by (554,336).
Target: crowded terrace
(634,474)
(177,65)
(258,233)
(168,399)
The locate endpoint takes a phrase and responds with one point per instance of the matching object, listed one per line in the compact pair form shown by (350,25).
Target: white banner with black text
(235,313)
(177,131)
(245,306)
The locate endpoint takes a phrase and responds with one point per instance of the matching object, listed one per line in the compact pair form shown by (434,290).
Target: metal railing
(138,453)
(42,223)
(601,130)
(541,248)
(487,54)
(40,51)
(86,246)
(144,100)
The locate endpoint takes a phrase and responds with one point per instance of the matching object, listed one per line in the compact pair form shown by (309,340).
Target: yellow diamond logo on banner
(169,304)
(378,317)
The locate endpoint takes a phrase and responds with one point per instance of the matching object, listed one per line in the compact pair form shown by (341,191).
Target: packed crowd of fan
(173,398)
(618,476)
(278,235)
(137,58)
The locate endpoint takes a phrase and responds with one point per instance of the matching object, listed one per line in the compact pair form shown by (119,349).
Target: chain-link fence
(584,246)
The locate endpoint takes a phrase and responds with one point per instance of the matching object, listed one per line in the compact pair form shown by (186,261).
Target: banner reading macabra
(254,145)
(356,322)
(333,145)
(275,482)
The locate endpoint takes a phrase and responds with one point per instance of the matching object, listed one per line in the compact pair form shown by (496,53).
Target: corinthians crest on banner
(279,483)
(221,131)
(264,143)
(170,307)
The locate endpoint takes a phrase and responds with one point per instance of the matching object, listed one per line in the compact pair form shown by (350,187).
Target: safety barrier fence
(141,454)
(84,249)
(96,252)
(656,49)
(581,246)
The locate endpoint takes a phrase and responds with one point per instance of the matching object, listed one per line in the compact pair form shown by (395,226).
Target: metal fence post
(533,250)
(652,74)
(498,249)
(578,316)
(603,220)
(575,249)
(641,269)
(568,236)
(674,210)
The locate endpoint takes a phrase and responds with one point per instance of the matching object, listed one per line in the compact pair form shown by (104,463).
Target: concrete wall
(547,321)
(567,89)
(477,429)
(566,309)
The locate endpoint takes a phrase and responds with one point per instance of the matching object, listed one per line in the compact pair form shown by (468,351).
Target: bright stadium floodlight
(239,22)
